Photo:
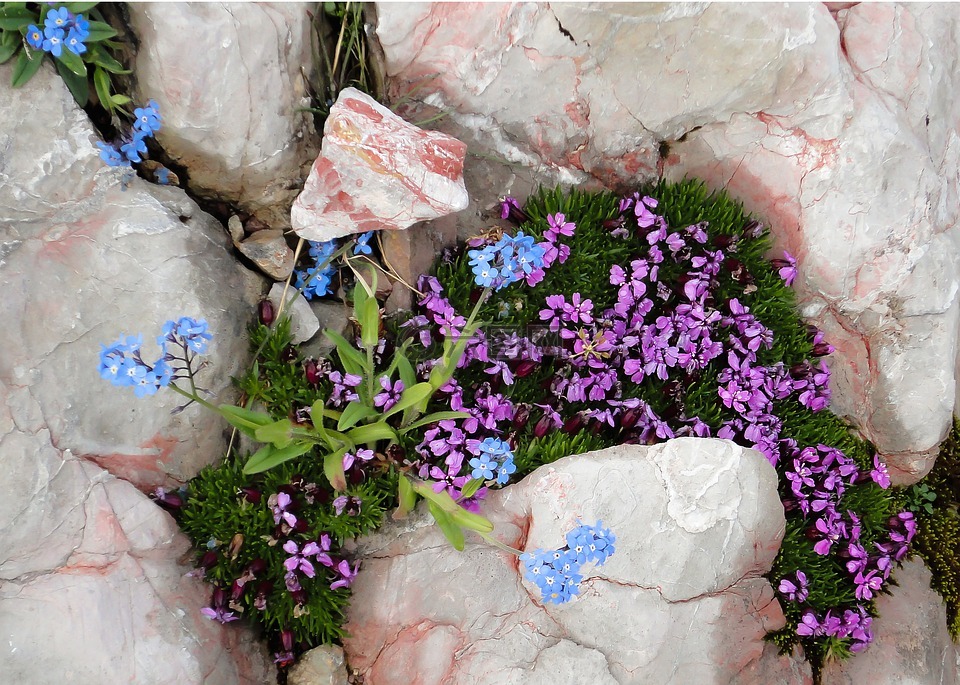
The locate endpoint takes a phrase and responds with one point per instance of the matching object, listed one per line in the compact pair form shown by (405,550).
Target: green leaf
(369,322)
(434,417)
(353,362)
(99,31)
(406,498)
(26,67)
(16,18)
(72,62)
(100,57)
(269,456)
(407,374)
(410,397)
(78,85)
(470,489)
(119,100)
(442,499)
(245,420)
(352,414)
(333,469)
(7,50)
(318,410)
(80,7)
(372,432)
(450,529)
(101,83)
(279,433)
(467,519)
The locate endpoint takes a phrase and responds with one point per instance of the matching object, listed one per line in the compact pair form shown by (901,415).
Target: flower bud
(822,349)
(252,495)
(521,417)
(396,453)
(286,638)
(629,418)
(542,427)
(753,229)
(236,590)
(525,368)
(356,476)
(723,241)
(266,313)
(573,424)
(257,566)
(209,559)
(289,354)
(312,371)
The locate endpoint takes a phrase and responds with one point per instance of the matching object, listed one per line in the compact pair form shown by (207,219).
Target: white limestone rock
(227,77)
(682,600)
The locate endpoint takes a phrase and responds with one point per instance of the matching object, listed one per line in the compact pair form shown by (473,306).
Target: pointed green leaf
(372,432)
(279,433)
(407,373)
(80,7)
(442,499)
(450,529)
(78,85)
(244,419)
(406,497)
(7,49)
(435,417)
(26,67)
(467,519)
(72,62)
(471,487)
(269,456)
(16,18)
(352,414)
(333,470)
(101,83)
(119,100)
(100,57)
(353,362)
(99,31)
(411,396)
(370,323)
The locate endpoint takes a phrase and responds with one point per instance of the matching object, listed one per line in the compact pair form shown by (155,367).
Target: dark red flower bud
(790,505)
(612,224)
(257,566)
(356,476)
(266,313)
(521,417)
(595,426)
(289,354)
(801,370)
(236,590)
(629,418)
(300,526)
(286,638)
(396,453)
(542,427)
(812,330)
(252,495)
(821,349)
(264,588)
(209,559)
(723,241)
(812,533)
(312,371)
(219,597)
(525,368)
(573,424)
(299,596)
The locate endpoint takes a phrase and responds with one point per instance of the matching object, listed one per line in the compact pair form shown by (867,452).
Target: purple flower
(280,505)
(297,561)
(390,395)
(558,226)
(218,610)
(879,473)
(787,268)
(362,454)
(795,591)
(346,574)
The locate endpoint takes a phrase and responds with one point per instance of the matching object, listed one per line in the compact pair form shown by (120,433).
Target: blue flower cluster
(60,28)
(314,280)
(557,572)
(510,259)
(122,362)
(146,123)
(494,460)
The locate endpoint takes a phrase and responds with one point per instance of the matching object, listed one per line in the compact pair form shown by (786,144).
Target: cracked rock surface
(227,77)
(682,600)
(92,588)
(837,124)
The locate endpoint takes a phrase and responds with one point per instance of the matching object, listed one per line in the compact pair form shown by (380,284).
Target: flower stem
(499,545)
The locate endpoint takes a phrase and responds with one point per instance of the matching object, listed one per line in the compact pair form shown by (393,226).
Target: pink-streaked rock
(837,125)
(376,171)
(92,588)
(682,600)
(230,84)
(911,645)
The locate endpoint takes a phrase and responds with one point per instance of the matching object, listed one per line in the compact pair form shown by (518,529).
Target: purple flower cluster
(851,624)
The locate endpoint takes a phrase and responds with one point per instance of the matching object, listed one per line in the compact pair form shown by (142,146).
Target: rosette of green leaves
(76,70)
